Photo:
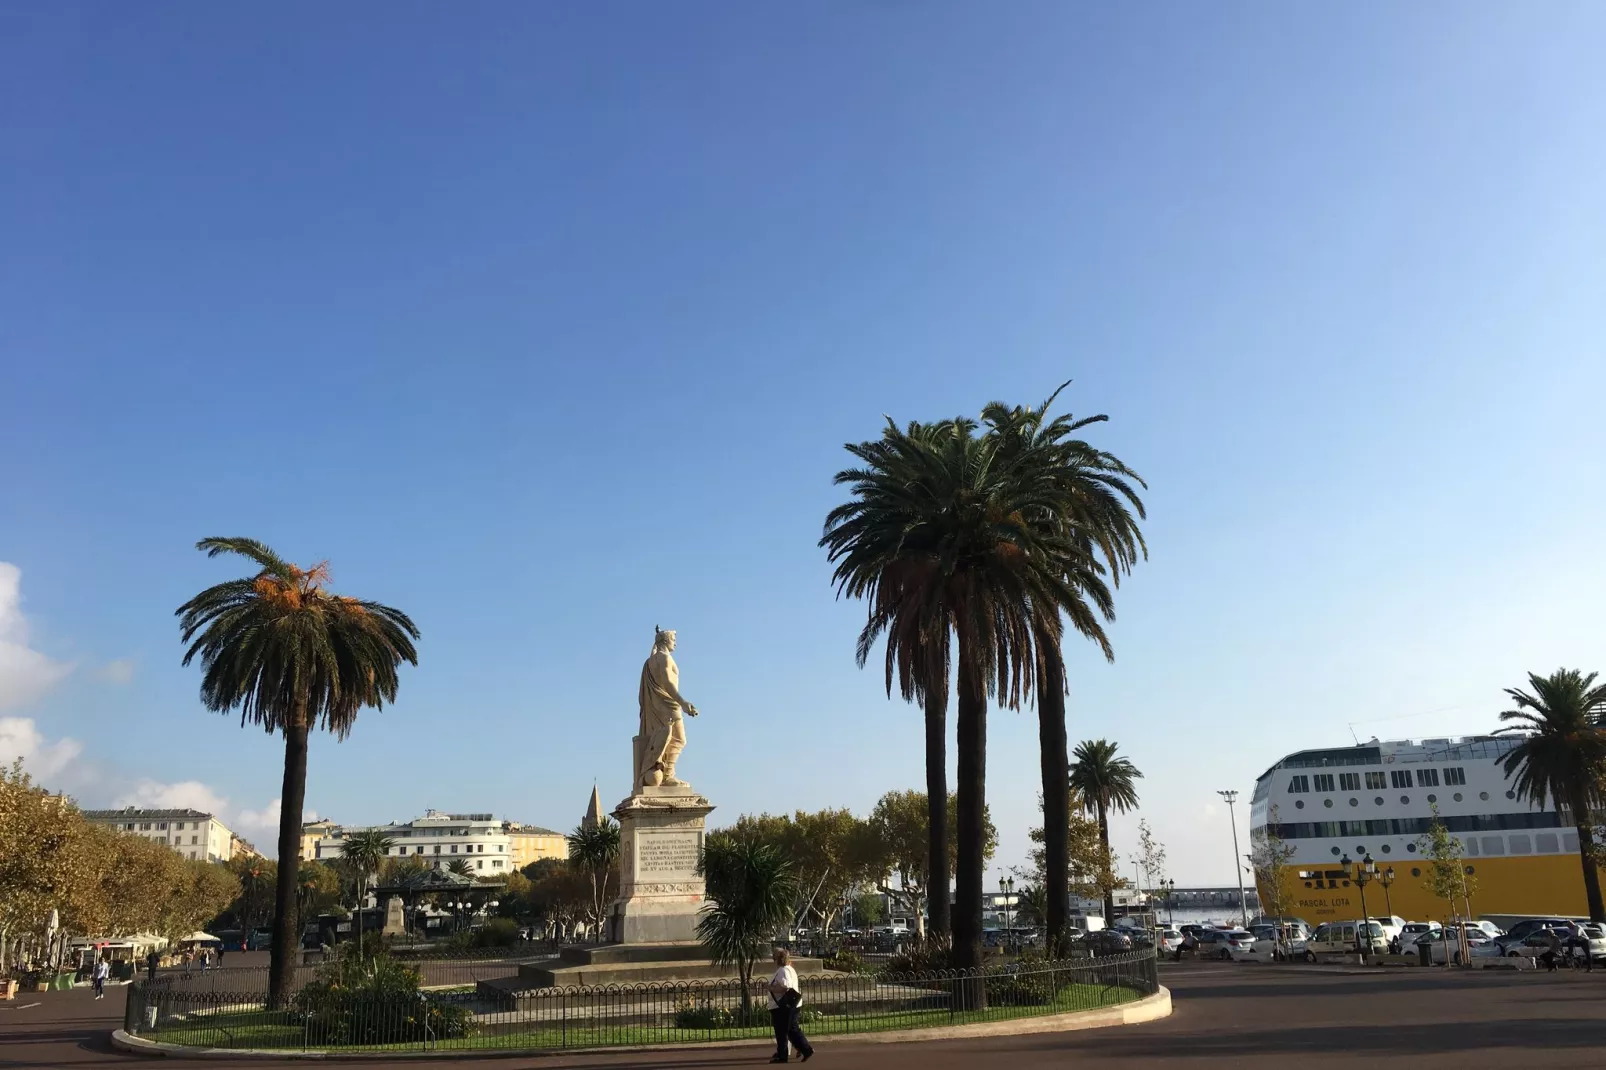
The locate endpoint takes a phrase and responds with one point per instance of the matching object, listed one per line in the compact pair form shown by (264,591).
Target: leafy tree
(363,853)
(1091,870)
(831,853)
(1269,856)
(319,890)
(947,518)
(1447,876)
(1562,756)
(291,656)
(1151,856)
(594,851)
(1104,781)
(750,891)
(254,905)
(869,909)
(1096,509)
(559,894)
(898,843)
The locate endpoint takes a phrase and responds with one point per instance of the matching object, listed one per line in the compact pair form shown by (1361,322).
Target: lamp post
(1365,872)
(1386,878)
(1170,886)
(1232,814)
(1008,886)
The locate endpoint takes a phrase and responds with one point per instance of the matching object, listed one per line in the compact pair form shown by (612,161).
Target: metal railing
(501,1013)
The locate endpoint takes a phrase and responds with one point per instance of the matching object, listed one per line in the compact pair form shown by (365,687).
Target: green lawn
(264,1029)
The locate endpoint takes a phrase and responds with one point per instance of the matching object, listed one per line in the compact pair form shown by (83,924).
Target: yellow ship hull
(1530,884)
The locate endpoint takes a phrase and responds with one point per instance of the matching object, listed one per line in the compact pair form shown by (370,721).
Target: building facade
(531,843)
(437,839)
(311,833)
(191,833)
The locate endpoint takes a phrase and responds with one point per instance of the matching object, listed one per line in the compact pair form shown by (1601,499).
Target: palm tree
(1097,502)
(1562,756)
(291,656)
(750,892)
(460,867)
(1104,782)
(594,850)
(942,531)
(364,852)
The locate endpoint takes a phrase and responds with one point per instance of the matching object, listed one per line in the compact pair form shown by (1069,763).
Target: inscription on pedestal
(667,856)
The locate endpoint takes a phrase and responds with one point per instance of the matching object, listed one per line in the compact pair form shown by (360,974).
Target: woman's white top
(785,978)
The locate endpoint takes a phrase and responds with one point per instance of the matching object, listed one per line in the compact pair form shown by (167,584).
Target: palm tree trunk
(1055,760)
(1109,890)
(1586,854)
(972,744)
(286,918)
(937,899)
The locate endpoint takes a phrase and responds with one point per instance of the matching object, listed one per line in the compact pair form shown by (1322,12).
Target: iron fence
(436,968)
(383,1011)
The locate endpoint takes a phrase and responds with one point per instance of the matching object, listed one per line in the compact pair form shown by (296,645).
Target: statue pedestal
(395,917)
(660,844)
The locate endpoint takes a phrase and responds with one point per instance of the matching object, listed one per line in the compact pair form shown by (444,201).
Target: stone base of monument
(634,964)
(660,844)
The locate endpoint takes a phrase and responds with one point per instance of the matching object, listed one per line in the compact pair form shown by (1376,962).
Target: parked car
(1341,937)
(1529,947)
(1519,932)
(1167,941)
(1440,946)
(1107,942)
(1588,939)
(1392,925)
(1413,929)
(1226,944)
(1291,936)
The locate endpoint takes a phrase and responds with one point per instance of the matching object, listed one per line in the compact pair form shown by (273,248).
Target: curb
(1148,1009)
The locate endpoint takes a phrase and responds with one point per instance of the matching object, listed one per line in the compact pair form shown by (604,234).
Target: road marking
(24,1006)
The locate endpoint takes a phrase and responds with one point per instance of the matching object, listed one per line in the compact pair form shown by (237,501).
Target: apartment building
(191,833)
(437,838)
(529,843)
(311,833)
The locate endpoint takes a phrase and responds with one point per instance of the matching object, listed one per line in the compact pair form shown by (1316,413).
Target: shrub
(845,961)
(696,1015)
(498,932)
(928,956)
(375,1002)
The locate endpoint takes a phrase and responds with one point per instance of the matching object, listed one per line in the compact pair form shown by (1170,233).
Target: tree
(1562,756)
(1447,876)
(460,867)
(1094,507)
(254,905)
(594,851)
(944,533)
(364,852)
(1269,856)
(1151,856)
(869,910)
(291,656)
(750,890)
(831,853)
(1090,873)
(1104,781)
(559,893)
(897,844)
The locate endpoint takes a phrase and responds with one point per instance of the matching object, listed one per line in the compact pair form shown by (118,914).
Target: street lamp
(1008,886)
(1243,902)
(1386,878)
(1365,873)
(1169,885)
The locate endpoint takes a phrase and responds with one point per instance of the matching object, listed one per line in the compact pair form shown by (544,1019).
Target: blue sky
(548,323)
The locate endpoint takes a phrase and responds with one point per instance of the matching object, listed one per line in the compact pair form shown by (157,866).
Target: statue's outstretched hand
(691,711)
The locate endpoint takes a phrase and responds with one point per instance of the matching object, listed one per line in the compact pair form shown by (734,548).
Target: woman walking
(103,970)
(785,999)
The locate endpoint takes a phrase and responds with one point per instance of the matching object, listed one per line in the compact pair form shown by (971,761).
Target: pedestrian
(785,999)
(151,962)
(220,949)
(1190,942)
(103,970)
(1552,950)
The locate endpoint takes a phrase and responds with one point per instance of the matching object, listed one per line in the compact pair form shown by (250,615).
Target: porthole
(1405,800)
(1360,849)
(1411,847)
(1355,802)
(1346,884)
(1387,848)
(1470,871)
(1433,798)
(1415,872)
(1299,804)
(1511,795)
(1327,803)
(1310,884)
(1484,795)
(1456,796)
(1378,800)
(1336,851)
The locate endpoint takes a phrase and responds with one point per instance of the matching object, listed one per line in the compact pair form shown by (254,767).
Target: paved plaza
(1227,1016)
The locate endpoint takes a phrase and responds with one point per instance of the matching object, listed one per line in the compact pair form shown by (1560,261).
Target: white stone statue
(663,730)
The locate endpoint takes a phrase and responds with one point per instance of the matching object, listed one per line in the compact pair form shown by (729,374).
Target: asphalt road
(1241,1016)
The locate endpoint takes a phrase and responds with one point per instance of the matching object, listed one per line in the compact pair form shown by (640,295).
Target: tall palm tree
(291,656)
(460,867)
(1562,756)
(1098,500)
(940,528)
(364,852)
(750,893)
(1104,781)
(594,851)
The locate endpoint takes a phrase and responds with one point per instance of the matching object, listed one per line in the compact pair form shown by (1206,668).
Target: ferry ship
(1378,798)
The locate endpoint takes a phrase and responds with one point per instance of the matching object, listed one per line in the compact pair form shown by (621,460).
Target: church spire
(593,818)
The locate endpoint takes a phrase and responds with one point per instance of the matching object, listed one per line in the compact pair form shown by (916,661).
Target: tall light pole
(1232,814)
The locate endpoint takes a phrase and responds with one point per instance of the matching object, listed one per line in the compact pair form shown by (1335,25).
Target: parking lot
(1228,1015)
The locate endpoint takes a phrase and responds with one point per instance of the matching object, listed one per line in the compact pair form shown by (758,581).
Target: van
(1346,937)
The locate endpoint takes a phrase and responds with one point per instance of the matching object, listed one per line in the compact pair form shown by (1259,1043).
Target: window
(1401,778)
(438,851)
(1375,781)
(195,839)
(1455,775)
(479,863)
(421,848)
(1427,778)
(1349,781)
(145,826)
(1546,843)
(1299,784)
(1324,781)
(1493,845)
(496,863)
(1520,844)
(180,826)
(162,825)
(454,848)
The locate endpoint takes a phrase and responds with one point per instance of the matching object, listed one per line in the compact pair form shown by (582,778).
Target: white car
(1346,937)
(1294,939)
(1413,929)
(1440,947)
(1392,925)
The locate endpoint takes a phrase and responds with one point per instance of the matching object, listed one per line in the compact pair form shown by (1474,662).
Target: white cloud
(20,738)
(254,824)
(25,673)
(116,671)
(187,793)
